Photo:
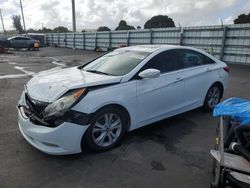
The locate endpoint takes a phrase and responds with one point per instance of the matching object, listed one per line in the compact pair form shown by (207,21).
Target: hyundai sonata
(94,105)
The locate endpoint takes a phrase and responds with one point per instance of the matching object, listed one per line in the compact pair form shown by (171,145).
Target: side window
(165,61)
(207,60)
(24,38)
(18,38)
(192,58)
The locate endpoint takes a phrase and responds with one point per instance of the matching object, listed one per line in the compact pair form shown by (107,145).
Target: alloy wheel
(107,129)
(213,97)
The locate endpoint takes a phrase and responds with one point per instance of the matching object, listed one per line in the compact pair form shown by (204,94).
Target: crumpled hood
(48,86)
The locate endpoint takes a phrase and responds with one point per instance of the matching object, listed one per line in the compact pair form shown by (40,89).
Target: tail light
(226,69)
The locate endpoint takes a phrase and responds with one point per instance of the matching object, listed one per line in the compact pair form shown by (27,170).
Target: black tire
(90,142)
(214,94)
(30,46)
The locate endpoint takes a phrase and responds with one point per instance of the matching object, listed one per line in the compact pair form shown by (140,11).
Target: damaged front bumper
(65,138)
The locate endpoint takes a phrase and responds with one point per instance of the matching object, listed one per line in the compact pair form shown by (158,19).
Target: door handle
(178,79)
(209,70)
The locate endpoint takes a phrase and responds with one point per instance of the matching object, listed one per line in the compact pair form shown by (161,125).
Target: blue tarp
(235,107)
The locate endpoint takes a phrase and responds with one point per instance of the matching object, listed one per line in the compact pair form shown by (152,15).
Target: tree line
(159,21)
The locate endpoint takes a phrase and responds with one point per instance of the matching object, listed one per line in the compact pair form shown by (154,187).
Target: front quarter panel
(123,94)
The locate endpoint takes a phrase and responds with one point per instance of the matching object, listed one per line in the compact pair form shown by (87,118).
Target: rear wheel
(30,47)
(107,128)
(213,97)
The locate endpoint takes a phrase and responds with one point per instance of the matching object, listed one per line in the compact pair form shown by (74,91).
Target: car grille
(35,106)
(34,111)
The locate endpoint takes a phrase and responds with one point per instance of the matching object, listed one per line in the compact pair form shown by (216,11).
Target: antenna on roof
(221,21)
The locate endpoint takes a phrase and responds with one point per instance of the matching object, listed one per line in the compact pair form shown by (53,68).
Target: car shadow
(167,132)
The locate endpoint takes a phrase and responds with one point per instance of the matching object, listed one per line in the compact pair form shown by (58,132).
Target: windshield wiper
(98,72)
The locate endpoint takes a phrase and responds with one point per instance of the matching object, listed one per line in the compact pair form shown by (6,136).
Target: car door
(27,42)
(160,97)
(199,74)
(23,42)
(12,42)
(16,42)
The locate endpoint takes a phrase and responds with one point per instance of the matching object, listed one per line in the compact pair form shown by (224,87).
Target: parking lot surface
(171,153)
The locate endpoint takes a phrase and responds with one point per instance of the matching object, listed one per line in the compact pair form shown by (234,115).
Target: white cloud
(93,13)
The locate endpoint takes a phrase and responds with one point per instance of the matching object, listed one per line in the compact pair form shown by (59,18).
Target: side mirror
(150,73)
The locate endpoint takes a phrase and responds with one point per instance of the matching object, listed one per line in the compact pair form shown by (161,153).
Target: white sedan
(94,105)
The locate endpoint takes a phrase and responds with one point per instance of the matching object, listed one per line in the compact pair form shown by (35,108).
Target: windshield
(116,63)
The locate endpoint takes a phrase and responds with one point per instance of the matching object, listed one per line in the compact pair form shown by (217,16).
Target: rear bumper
(61,140)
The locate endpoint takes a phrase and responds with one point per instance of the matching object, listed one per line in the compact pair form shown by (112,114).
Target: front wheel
(107,128)
(213,97)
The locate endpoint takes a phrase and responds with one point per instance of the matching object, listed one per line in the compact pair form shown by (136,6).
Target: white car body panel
(49,86)
(105,97)
(197,82)
(159,96)
(146,100)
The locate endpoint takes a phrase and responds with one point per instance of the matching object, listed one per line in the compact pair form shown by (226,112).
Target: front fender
(123,94)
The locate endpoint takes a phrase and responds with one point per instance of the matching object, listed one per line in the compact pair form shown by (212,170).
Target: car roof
(18,36)
(153,48)
(11,37)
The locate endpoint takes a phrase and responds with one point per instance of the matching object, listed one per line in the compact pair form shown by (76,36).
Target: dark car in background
(23,42)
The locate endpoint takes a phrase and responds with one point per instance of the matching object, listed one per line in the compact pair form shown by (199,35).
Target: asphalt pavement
(170,153)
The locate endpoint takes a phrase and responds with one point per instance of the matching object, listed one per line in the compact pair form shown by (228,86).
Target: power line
(31,9)
(33,5)
(15,3)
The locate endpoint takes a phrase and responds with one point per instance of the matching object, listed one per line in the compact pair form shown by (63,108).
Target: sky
(90,14)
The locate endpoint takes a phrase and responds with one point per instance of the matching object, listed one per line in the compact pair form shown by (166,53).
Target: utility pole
(73,16)
(22,16)
(2,20)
